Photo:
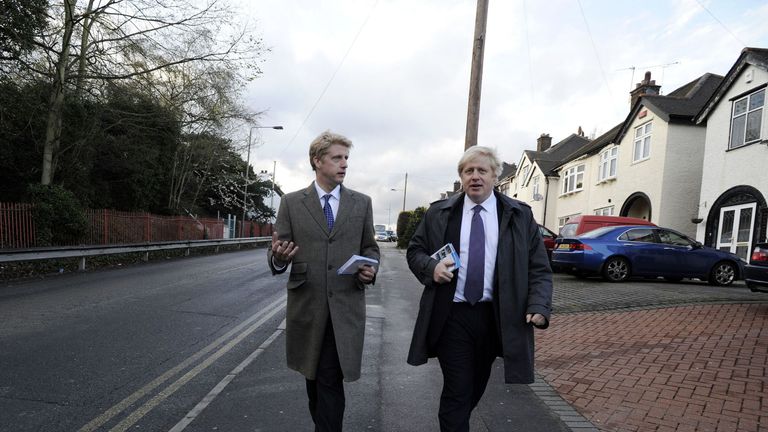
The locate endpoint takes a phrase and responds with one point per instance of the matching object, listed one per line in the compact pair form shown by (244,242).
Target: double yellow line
(208,356)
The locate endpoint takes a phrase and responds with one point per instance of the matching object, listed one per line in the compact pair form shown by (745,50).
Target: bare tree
(172,48)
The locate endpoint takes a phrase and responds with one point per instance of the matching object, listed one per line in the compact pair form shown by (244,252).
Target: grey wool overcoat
(315,290)
(522,282)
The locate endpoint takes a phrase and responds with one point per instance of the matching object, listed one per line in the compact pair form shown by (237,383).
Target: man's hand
(443,271)
(365,273)
(536,319)
(282,251)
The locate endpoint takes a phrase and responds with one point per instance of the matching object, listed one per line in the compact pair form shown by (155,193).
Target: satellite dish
(537,197)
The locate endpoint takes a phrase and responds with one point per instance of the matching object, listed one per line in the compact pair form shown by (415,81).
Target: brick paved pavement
(682,368)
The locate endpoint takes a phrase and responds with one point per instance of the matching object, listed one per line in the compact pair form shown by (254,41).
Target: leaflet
(355,261)
(448,251)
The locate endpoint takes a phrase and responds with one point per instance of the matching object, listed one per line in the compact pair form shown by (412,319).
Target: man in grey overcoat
(317,230)
(489,305)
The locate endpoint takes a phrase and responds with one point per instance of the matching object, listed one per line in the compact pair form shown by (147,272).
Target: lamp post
(405,190)
(247,166)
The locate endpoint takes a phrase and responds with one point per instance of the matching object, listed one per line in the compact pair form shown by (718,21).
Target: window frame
(643,134)
(573,176)
(601,211)
(746,116)
(609,158)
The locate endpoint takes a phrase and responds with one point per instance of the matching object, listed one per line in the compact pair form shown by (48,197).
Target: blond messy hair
(320,145)
(477,152)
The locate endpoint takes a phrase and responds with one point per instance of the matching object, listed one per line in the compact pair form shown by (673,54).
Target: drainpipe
(546,197)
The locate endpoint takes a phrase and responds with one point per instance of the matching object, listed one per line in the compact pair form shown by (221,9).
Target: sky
(393,76)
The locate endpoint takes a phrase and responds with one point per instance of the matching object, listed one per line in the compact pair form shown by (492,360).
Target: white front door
(735,231)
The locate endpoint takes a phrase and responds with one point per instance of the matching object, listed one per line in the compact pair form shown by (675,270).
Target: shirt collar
(489,204)
(336,192)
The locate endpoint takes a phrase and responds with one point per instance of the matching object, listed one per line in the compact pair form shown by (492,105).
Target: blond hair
(476,152)
(320,145)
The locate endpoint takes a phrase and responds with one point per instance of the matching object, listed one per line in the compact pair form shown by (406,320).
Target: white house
(534,179)
(731,207)
(649,166)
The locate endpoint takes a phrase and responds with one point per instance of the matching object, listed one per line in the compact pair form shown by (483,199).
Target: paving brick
(691,368)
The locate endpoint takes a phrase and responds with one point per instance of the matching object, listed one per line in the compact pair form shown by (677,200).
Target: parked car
(549,239)
(584,223)
(620,252)
(392,235)
(756,272)
(382,236)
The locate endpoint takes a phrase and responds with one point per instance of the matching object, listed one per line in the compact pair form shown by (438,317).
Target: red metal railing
(17,228)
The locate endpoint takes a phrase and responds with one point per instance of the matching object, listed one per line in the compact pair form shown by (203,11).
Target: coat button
(330,294)
(330,240)
(330,267)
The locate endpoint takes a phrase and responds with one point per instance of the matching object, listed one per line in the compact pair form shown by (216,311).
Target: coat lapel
(312,203)
(347,204)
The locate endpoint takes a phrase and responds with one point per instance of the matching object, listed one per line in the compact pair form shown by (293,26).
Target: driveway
(659,356)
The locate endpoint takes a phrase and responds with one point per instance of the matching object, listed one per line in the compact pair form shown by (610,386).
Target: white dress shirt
(335,198)
(491,224)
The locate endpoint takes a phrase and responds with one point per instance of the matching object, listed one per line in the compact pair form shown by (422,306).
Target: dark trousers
(326,392)
(466,351)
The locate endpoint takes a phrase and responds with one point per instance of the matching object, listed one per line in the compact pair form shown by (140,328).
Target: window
(524,174)
(504,188)
(642,148)
(639,235)
(604,211)
(608,159)
(573,179)
(535,187)
(747,119)
(673,238)
(561,222)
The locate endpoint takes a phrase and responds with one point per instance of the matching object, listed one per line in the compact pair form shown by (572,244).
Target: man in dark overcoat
(489,305)
(317,230)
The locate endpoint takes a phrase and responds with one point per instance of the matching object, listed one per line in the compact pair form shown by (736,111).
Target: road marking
(121,406)
(192,415)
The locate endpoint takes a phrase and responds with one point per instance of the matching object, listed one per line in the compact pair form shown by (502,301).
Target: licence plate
(563,246)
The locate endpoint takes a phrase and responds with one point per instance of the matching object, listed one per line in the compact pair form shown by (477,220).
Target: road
(196,344)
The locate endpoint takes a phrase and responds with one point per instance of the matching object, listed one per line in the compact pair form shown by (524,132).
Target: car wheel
(616,269)
(723,273)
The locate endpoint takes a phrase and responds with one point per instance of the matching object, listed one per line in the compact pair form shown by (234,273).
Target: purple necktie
(475,280)
(328,211)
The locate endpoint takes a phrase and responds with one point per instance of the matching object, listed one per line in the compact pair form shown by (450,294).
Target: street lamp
(247,166)
(405,190)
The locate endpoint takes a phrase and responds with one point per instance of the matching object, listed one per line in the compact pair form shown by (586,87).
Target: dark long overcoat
(315,290)
(522,282)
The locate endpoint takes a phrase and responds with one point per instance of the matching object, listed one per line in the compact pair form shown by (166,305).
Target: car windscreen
(568,230)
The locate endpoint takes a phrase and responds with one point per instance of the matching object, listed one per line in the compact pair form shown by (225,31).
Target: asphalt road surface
(196,344)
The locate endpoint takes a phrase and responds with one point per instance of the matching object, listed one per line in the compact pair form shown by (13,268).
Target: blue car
(620,252)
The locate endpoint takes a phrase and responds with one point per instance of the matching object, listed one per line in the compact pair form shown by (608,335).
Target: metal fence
(108,227)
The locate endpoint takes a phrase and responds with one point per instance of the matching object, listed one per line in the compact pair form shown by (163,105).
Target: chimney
(645,87)
(580,132)
(543,142)
(456,186)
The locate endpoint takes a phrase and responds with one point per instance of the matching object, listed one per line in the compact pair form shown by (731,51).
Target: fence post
(105,214)
(147,228)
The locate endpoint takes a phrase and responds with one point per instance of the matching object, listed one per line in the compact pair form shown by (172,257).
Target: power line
(330,80)
(594,47)
(528,47)
(721,24)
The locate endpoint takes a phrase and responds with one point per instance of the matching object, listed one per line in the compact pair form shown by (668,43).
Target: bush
(414,218)
(58,215)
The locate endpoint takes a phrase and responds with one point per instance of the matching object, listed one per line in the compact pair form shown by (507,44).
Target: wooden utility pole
(476,76)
